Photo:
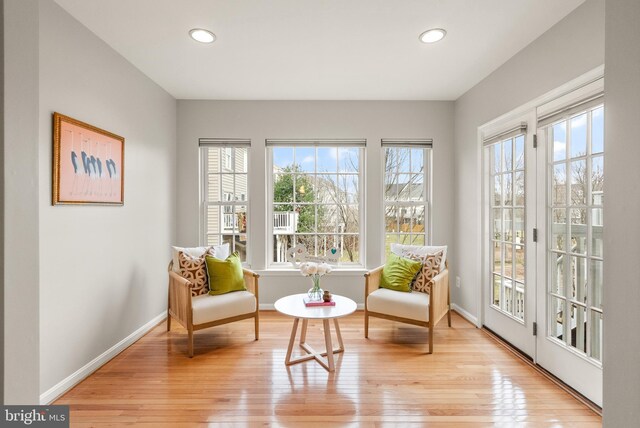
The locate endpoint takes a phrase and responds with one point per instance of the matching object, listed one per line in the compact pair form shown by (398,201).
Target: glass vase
(315,293)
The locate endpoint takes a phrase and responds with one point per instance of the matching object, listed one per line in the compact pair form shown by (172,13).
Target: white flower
(322,269)
(303,269)
(312,268)
(308,268)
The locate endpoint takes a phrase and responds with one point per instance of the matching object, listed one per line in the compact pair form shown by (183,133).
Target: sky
(578,135)
(329,159)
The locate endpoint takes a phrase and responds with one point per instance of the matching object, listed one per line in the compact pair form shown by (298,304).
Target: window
(575,251)
(507,223)
(224,194)
(406,192)
(316,198)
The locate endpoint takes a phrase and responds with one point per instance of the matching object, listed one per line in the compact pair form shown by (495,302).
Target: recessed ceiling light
(202,36)
(433,35)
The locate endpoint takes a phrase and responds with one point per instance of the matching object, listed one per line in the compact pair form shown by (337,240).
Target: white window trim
(359,144)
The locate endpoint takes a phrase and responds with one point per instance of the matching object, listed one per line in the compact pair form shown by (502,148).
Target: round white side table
(293,306)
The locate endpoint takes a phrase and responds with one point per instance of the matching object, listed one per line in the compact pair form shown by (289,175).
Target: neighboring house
(232,188)
(407,192)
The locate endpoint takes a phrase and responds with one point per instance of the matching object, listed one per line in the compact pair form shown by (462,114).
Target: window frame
(358,144)
(427,146)
(223,145)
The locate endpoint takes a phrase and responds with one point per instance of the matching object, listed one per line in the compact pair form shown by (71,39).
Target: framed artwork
(88,164)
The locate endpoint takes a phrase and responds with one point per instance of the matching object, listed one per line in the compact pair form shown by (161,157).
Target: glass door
(570,311)
(509,299)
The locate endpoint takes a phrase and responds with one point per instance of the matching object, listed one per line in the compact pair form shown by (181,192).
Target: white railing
(229,222)
(515,306)
(284,222)
(519,302)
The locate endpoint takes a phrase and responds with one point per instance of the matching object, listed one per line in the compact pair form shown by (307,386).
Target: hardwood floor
(386,380)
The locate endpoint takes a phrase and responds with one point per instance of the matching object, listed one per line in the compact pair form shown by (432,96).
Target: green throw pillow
(398,273)
(225,276)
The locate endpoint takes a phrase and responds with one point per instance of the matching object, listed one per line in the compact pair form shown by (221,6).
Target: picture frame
(88,164)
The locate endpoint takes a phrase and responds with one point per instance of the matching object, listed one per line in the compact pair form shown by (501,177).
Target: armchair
(416,308)
(204,311)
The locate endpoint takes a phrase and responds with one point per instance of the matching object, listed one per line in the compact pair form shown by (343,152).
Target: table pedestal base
(313,354)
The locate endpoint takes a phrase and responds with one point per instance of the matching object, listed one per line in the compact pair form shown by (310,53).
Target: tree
(291,180)
(343,192)
(283,190)
(403,192)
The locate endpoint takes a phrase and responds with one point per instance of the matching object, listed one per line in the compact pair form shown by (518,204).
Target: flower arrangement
(315,271)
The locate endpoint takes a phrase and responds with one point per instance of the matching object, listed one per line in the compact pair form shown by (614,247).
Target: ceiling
(318,49)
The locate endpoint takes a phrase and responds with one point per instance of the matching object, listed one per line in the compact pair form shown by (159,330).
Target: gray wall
(259,120)
(21,238)
(102,269)
(622,208)
(2,351)
(570,48)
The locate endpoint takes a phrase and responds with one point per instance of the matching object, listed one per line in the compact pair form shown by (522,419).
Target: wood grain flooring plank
(387,380)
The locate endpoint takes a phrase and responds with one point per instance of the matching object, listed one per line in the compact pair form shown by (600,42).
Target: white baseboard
(69,382)
(466,315)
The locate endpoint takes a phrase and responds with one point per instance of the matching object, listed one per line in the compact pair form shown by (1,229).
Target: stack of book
(312,303)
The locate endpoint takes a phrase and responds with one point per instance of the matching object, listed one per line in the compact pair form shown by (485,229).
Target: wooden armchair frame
(439,302)
(179,305)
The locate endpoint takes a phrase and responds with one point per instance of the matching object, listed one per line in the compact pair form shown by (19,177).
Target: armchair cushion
(430,268)
(208,308)
(225,276)
(402,251)
(398,272)
(218,251)
(414,306)
(194,269)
